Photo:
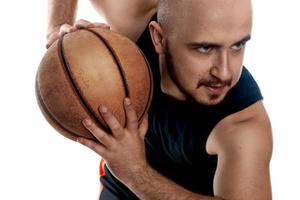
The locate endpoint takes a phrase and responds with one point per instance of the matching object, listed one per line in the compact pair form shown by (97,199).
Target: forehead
(213,20)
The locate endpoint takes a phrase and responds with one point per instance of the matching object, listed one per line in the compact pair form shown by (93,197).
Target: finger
(66,28)
(82,23)
(51,39)
(111,121)
(131,117)
(95,146)
(99,134)
(100,25)
(144,126)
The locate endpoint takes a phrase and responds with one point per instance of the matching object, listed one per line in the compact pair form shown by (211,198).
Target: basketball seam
(113,53)
(44,107)
(122,73)
(73,84)
(151,84)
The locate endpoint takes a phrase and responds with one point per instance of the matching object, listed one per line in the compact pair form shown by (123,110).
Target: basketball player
(207,135)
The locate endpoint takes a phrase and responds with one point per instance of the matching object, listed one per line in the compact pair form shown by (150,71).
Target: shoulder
(243,134)
(243,143)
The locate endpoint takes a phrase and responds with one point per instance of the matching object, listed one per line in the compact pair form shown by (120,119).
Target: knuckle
(92,127)
(61,30)
(86,142)
(101,136)
(101,25)
(92,145)
(82,23)
(65,27)
(116,128)
(133,123)
(79,21)
(118,136)
(82,20)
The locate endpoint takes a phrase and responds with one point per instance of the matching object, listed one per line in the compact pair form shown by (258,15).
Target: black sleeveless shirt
(178,131)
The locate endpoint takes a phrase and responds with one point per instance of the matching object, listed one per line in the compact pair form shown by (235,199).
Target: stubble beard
(210,100)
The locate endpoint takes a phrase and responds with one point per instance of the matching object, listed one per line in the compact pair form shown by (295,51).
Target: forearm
(60,12)
(150,185)
(127,17)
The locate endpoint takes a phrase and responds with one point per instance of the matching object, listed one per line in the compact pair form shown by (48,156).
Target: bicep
(243,162)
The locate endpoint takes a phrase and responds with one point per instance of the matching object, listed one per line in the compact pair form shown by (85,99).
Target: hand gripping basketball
(87,68)
(67,28)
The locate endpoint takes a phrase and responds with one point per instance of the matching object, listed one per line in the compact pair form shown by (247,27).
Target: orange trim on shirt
(101,167)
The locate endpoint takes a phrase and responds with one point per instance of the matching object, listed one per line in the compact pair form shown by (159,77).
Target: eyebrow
(211,44)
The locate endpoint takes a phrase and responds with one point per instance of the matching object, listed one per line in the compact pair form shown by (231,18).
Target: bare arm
(244,151)
(242,141)
(148,184)
(59,13)
(128,17)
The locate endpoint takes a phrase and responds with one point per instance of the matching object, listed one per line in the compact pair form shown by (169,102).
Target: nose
(220,69)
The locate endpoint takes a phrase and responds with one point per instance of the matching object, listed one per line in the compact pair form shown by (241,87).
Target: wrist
(139,174)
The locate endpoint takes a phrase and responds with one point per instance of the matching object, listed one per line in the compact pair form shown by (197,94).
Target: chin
(210,100)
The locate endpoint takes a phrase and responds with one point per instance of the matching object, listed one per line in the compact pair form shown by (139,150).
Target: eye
(238,46)
(205,49)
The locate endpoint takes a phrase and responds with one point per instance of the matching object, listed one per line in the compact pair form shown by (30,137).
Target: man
(209,136)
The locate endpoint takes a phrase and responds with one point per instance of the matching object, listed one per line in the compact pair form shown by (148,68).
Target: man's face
(204,54)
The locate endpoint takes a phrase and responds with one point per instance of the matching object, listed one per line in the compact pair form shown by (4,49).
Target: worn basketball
(88,68)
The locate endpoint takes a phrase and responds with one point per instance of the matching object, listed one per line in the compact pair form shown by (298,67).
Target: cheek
(237,74)
(188,73)
(190,68)
(236,65)
(237,59)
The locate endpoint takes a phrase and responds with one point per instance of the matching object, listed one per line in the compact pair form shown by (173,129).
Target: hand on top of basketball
(67,28)
(124,149)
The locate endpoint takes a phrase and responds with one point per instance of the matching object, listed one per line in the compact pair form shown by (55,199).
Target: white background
(38,163)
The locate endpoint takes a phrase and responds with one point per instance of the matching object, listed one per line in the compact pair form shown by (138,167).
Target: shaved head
(201,44)
(173,14)
(165,13)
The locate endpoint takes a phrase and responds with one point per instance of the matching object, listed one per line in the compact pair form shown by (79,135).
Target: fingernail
(103,109)
(127,101)
(87,122)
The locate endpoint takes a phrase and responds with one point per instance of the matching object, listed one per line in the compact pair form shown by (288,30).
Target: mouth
(215,89)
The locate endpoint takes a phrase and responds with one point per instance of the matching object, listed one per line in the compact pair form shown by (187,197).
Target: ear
(158,37)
